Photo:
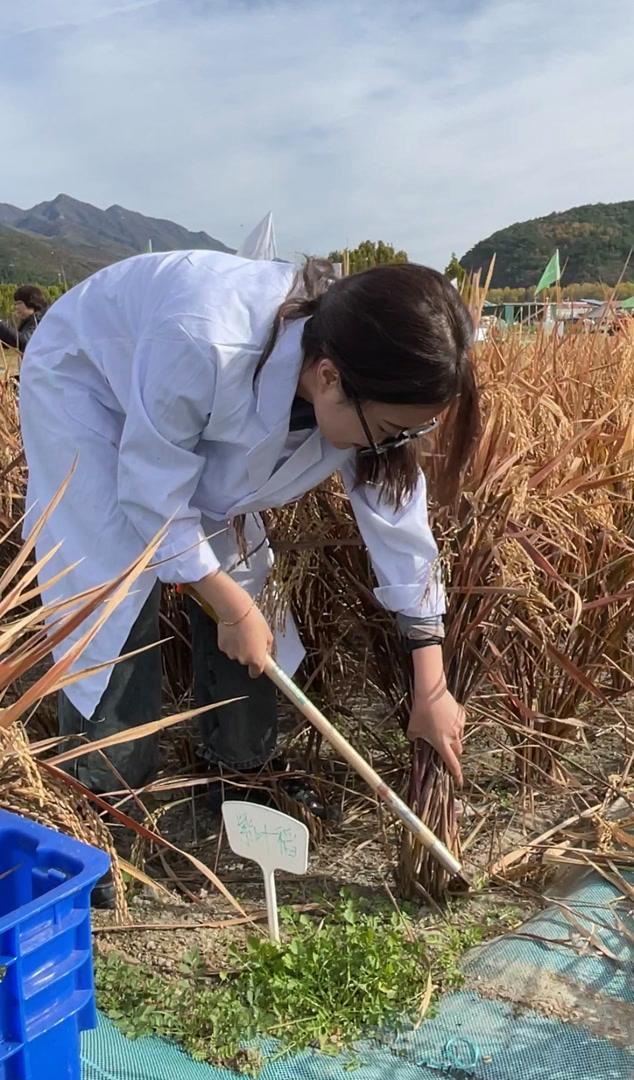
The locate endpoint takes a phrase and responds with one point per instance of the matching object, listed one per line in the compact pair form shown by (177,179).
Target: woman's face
(21,311)
(339,419)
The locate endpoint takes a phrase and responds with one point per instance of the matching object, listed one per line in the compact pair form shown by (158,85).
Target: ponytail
(310,283)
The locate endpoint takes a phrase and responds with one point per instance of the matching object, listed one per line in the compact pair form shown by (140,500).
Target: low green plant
(328,984)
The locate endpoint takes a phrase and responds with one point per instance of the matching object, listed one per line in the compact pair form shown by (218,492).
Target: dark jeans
(241,735)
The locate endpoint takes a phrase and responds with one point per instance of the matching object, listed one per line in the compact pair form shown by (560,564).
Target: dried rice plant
(28,633)
(34,793)
(176,649)
(558,448)
(600,836)
(12,464)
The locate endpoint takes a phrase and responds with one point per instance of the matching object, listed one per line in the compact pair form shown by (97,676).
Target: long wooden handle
(399,808)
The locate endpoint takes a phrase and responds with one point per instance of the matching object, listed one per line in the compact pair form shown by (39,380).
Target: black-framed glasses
(376,449)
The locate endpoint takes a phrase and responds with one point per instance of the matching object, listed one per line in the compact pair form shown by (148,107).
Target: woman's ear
(327,375)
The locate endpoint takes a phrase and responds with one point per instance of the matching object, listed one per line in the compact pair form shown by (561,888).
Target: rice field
(538,551)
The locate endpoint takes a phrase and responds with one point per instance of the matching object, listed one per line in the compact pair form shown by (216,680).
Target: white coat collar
(275,390)
(276,384)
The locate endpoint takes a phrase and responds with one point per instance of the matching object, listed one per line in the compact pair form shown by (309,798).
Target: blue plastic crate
(46,978)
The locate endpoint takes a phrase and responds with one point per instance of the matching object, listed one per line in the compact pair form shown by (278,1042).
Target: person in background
(29,307)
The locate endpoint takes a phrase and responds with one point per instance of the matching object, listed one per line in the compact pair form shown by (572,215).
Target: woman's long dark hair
(398,334)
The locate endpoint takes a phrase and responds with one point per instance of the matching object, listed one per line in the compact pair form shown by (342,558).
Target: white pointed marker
(273,840)
(261,243)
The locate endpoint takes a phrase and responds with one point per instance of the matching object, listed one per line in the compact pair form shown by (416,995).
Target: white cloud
(429,125)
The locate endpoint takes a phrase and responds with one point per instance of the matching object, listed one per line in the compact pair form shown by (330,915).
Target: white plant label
(273,840)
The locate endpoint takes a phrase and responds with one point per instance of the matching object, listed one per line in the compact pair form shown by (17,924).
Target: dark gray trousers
(241,735)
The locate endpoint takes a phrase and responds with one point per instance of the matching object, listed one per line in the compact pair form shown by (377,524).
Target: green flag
(551,274)
(628,304)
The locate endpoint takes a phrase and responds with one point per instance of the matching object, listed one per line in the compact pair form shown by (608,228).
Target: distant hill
(75,238)
(9,214)
(594,242)
(25,258)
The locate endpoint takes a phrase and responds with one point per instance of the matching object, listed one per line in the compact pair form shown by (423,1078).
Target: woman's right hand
(249,640)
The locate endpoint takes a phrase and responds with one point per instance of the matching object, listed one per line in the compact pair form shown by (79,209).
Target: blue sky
(427,124)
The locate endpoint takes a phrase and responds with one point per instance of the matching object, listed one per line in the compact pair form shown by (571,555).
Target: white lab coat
(144,374)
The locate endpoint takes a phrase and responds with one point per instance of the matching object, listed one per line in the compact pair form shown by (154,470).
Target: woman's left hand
(440,720)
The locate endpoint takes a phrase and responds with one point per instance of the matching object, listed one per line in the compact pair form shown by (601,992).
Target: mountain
(77,238)
(25,258)
(594,242)
(9,214)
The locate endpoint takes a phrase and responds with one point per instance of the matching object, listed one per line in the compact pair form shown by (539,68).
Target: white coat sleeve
(401,547)
(171,396)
